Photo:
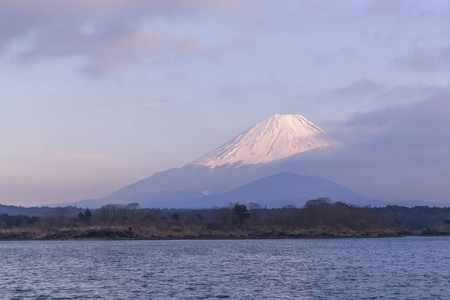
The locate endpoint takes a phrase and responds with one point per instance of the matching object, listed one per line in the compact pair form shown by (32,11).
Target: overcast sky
(97,94)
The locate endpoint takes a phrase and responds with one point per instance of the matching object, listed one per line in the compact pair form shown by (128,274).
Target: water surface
(391,268)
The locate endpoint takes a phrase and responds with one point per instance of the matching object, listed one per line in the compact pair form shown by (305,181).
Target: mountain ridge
(281,189)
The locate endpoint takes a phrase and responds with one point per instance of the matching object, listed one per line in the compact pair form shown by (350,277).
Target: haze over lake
(385,268)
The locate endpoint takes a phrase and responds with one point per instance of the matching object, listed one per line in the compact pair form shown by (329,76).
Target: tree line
(415,218)
(316,214)
(318,217)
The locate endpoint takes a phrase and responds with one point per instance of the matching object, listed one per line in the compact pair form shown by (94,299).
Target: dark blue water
(394,268)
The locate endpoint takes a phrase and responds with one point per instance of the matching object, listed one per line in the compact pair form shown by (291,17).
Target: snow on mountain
(277,137)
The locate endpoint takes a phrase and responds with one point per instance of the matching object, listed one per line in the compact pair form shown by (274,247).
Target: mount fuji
(264,162)
(277,137)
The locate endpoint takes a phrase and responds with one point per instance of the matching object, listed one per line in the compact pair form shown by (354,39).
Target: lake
(383,268)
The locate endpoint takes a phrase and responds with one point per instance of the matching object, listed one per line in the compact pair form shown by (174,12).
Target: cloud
(316,9)
(386,6)
(45,9)
(367,95)
(111,34)
(396,153)
(361,88)
(415,128)
(426,58)
(108,49)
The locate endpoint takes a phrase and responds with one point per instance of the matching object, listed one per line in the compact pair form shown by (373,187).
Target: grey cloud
(431,9)
(390,6)
(39,9)
(397,153)
(410,145)
(18,17)
(415,127)
(360,89)
(368,95)
(426,59)
(109,33)
(114,48)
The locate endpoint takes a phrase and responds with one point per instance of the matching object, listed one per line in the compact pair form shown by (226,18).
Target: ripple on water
(401,268)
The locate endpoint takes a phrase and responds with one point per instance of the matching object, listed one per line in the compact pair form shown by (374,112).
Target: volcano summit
(277,137)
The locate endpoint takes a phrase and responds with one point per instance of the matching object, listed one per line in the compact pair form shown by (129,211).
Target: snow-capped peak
(277,137)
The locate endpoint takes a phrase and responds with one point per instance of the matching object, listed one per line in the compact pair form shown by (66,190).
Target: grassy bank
(153,233)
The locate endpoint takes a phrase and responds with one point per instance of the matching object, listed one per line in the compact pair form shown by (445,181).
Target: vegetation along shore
(319,218)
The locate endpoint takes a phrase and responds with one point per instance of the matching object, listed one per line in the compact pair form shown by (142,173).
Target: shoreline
(214,238)
(180,232)
(25,237)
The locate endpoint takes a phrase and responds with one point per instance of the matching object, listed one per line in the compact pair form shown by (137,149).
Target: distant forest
(318,218)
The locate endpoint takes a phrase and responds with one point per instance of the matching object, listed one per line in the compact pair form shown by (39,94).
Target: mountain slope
(287,189)
(275,138)
(175,182)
